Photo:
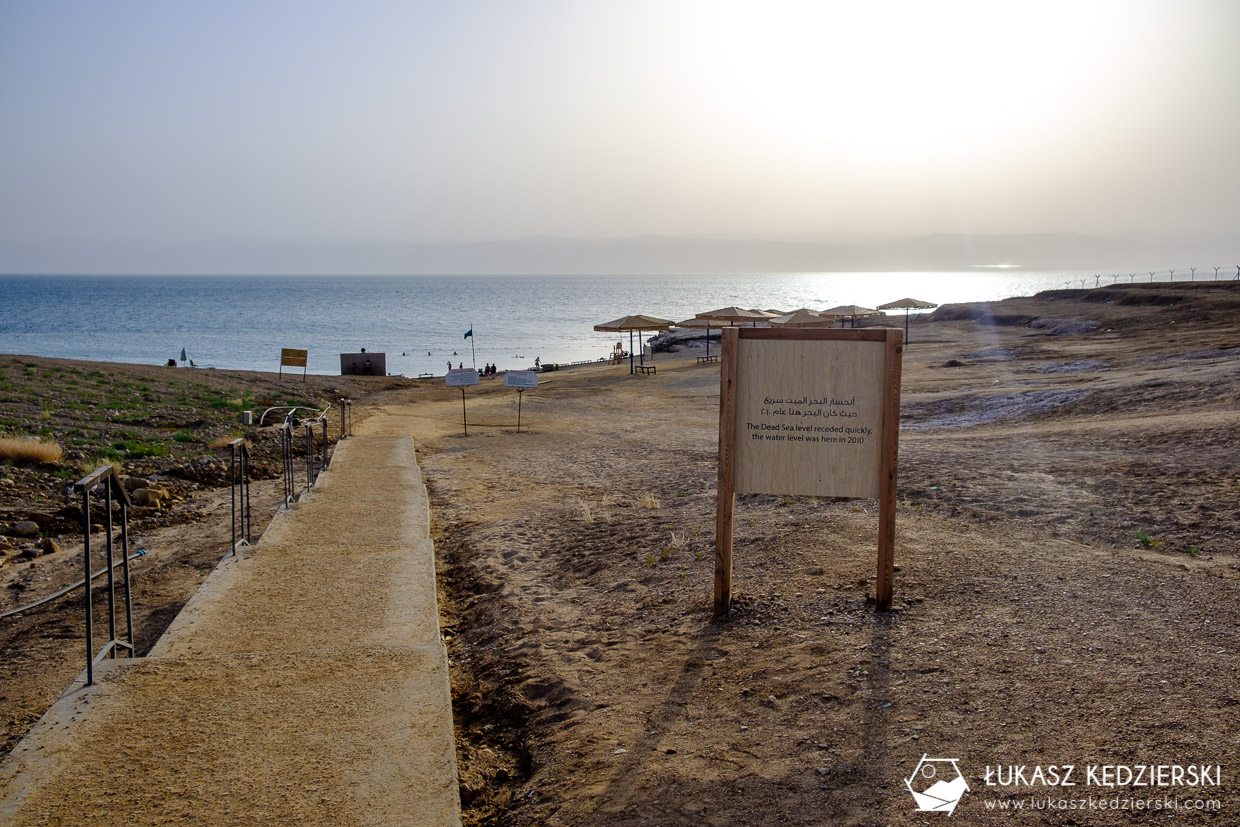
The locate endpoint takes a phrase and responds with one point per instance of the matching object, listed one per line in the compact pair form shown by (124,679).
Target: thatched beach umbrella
(733,316)
(803,318)
(633,324)
(906,305)
(851,312)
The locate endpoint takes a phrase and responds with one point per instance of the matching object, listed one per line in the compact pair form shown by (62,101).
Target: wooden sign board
(521,379)
(811,412)
(809,417)
(460,377)
(294,358)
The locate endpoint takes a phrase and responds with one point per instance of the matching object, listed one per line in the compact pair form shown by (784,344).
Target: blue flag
(469,333)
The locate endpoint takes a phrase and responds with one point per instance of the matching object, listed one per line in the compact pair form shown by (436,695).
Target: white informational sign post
(462,378)
(522,380)
(811,412)
(459,378)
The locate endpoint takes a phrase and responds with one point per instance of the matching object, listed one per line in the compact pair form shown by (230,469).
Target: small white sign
(522,379)
(460,377)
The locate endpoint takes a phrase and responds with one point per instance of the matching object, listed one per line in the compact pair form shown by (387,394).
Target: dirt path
(1033,624)
(305,682)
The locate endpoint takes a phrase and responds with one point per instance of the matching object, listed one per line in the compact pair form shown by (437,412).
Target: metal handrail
(292,412)
(286,461)
(29,607)
(315,465)
(346,417)
(239,483)
(311,471)
(108,478)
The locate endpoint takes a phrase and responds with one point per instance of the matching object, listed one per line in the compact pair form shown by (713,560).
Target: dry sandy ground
(1069,575)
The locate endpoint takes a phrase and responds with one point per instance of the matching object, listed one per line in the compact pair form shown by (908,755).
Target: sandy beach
(1031,624)
(1068,572)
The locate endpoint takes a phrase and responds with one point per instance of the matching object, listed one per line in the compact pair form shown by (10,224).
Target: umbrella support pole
(519,392)
(464,418)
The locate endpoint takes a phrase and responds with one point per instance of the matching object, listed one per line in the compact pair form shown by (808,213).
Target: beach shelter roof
(851,311)
(633,324)
(696,323)
(638,322)
(804,318)
(734,315)
(770,314)
(905,304)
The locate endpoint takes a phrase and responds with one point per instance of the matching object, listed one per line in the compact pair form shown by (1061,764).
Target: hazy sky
(456,121)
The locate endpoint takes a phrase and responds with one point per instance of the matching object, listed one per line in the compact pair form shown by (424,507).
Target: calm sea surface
(242,322)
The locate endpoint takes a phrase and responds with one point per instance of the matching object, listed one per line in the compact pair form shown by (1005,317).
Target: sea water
(420,322)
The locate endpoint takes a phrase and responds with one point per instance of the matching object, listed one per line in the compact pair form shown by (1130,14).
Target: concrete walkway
(304,683)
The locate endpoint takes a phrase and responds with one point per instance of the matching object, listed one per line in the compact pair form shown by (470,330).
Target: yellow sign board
(294,358)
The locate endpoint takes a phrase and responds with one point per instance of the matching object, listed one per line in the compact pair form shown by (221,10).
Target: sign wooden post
(293,358)
(461,378)
(811,412)
(522,380)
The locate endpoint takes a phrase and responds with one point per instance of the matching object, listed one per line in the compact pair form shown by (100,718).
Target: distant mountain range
(639,255)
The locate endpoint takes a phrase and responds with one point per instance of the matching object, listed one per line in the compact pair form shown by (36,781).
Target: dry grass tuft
(28,450)
(91,465)
(589,512)
(649,501)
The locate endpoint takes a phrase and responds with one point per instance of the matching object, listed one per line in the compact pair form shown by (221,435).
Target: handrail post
(246,515)
(324,464)
(90,613)
(309,456)
(232,489)
(239,491)
(128,581)
(108,478)
(286,455)
(111,571)
(291,482)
